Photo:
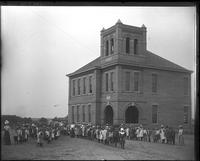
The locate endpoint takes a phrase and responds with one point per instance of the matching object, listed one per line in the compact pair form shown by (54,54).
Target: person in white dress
(162,134)
(180,135)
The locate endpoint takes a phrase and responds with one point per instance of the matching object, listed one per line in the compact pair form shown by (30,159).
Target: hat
(122,129)
(162,126)
(180,126)
(6,122)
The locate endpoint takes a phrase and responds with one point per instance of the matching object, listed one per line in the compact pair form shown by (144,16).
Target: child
(180,135)
(39,138)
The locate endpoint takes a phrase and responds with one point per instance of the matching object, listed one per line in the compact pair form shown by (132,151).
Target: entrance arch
(132,115)
(108,115)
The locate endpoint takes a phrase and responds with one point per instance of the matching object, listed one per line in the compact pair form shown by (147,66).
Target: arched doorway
(132,115)
(108,113)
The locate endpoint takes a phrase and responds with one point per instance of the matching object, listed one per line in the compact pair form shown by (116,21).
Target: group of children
(103,134)
(23,132)
(106,134)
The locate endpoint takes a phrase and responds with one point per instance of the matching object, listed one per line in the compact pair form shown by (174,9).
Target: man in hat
(7,133)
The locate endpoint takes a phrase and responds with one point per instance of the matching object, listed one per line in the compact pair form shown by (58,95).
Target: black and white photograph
(98,82)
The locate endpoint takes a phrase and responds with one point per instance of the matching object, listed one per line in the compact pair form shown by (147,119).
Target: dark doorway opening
(108,113)
(132,115)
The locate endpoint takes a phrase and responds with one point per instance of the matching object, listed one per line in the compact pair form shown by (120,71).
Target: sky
(40,45)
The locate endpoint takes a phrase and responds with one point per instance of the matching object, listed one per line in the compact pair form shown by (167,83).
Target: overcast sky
(40,45)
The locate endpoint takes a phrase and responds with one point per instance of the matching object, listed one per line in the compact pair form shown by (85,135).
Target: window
(90,84)
(127,81)
(83,113)
(107,48)
(73,84)
(111,81)
(89,113)
(77,113)
(112,46)
(136,81)
(135,46)
(155,114)
(185,117)
(186,85)
(72,114)
(154,83)
(84,85)
(127,45)
(79,88)
(106,81)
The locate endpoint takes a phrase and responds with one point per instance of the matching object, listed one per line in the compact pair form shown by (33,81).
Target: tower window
(112,46)
(107,48)
(135,46)
(127,45)
(127,81)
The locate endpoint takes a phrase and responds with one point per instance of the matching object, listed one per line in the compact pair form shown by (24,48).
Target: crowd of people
(112,135)
(108,135)
(37,132)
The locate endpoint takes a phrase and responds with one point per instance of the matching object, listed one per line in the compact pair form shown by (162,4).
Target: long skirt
(7,138)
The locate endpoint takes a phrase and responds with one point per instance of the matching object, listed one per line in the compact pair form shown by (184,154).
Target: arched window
(108,115)
(132,115)
(127,45)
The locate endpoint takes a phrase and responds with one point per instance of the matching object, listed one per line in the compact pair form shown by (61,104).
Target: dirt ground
(76,148)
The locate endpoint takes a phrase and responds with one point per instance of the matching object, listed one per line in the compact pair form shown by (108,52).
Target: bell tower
(123,42)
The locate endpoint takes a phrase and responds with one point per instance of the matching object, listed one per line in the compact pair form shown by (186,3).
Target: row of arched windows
(109,46)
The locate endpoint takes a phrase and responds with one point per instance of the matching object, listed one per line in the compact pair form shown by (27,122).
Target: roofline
(73,74)
(144,66)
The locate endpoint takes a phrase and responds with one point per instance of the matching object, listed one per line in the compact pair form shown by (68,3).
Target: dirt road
(74,148)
